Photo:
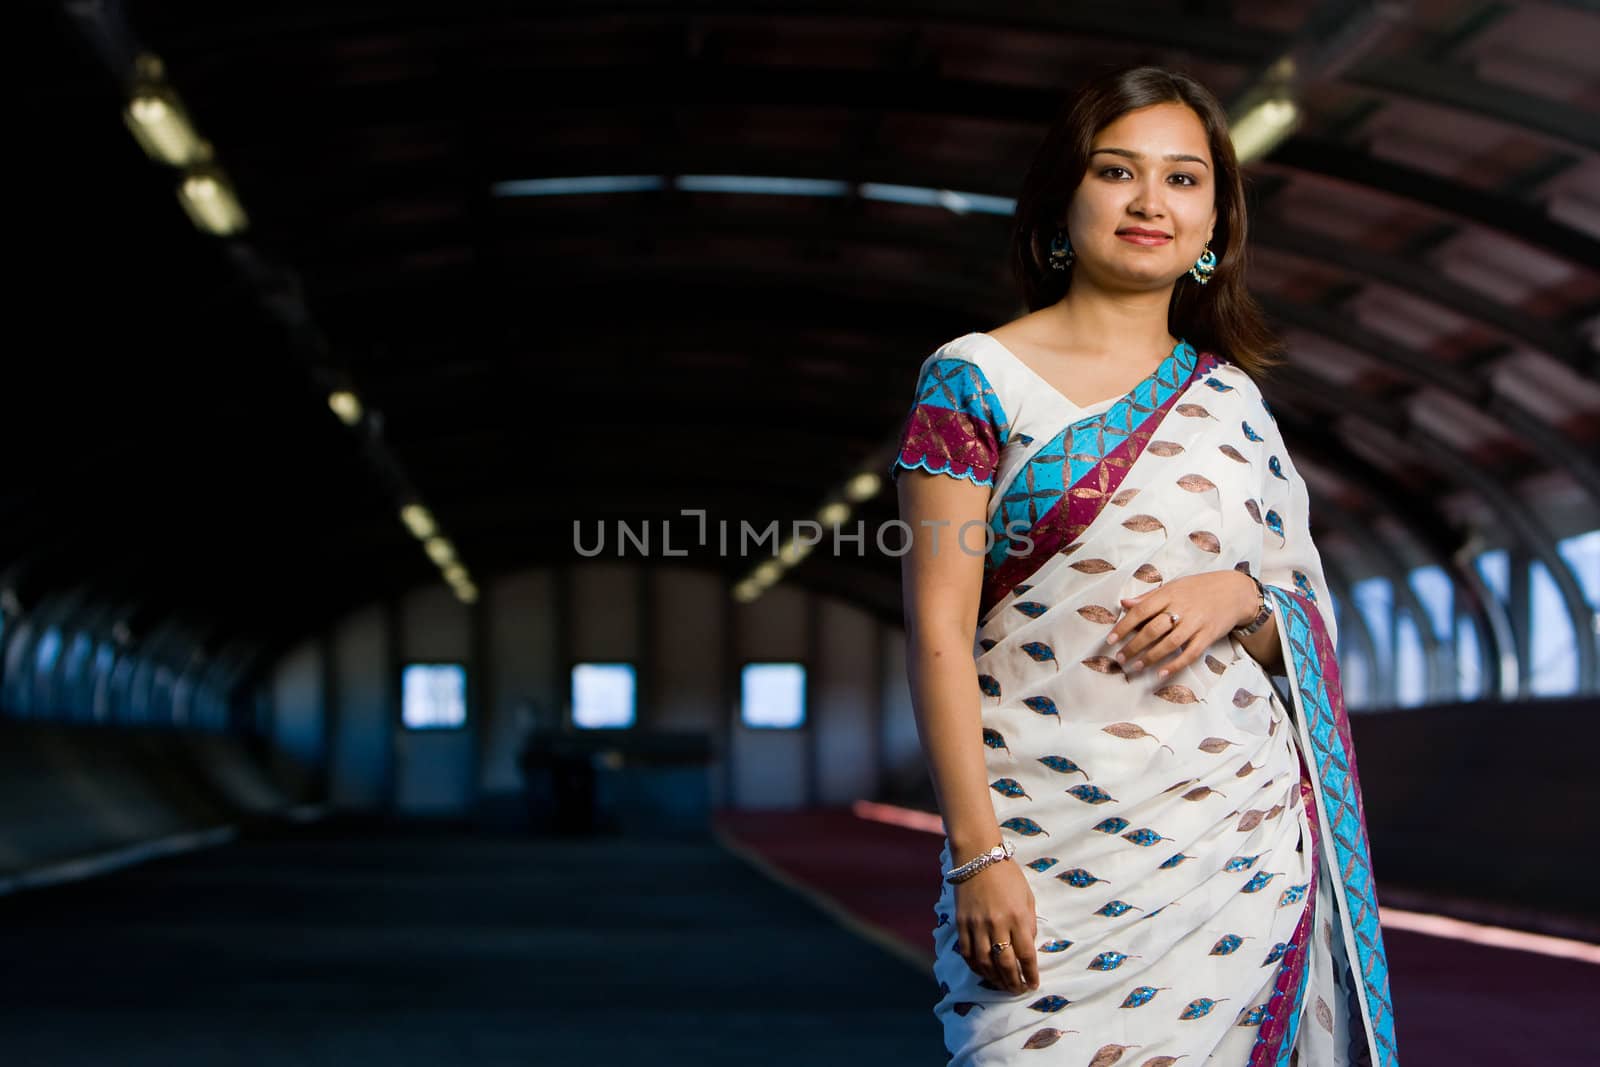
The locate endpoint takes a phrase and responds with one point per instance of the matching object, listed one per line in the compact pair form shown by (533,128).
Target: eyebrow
(1176,157)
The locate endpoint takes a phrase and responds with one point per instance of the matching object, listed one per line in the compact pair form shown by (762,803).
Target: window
(773,695)
(1434,589)
(1582,553)
(1553,647)
(433,696)
(1374,598)
(1470,673)
(1495,567)
(603,695)
(1411,663)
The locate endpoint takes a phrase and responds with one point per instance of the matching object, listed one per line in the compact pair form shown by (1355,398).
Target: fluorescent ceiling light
(1263,127)
(441,551)
(603,183)
(761,185)
(833,514)
(419,520)
(346,405)
(161,127)
(960,203)
(211,204)
(765,186)
(863,486)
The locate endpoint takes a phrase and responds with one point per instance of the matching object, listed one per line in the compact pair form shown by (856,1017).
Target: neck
(1118,325)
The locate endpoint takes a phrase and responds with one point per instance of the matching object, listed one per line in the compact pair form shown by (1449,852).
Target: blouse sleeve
(955,426)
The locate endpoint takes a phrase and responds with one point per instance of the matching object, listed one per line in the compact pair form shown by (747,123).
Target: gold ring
(999,947)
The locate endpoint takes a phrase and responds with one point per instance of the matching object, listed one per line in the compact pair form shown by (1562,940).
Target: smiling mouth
(1147,239)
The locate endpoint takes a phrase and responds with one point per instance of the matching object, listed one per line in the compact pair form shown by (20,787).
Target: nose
(1147,200)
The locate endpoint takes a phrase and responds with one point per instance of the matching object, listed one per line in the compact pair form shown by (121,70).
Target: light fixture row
(835,510)
(160,123)
(420,521)
(162,126)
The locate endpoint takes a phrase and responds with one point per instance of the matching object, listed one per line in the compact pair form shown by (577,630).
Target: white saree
(1196,848)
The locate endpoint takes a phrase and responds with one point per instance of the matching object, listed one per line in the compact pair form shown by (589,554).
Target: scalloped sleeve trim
(956,425)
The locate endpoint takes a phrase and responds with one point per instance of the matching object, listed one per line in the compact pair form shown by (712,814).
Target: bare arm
(941,582)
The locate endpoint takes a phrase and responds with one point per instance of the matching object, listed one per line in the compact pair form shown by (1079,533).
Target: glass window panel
(1552,644)
(1411,673)
(1434,589)
(1374,598)
(433,696)
(1495,566)
(773,695)
(1470,673)
(603,695)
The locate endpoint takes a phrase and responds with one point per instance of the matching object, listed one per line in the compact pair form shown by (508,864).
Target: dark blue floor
(331,943)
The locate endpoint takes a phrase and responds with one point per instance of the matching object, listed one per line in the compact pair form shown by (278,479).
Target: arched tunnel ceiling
(1428,240)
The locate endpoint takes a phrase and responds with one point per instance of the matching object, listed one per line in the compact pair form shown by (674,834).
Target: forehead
(1162,127)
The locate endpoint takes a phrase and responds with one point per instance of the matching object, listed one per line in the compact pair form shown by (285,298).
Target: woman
(1179,869)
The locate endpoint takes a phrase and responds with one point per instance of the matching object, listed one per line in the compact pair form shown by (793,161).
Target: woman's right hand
(995,905)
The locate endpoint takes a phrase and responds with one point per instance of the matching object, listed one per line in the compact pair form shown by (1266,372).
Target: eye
(1190,178)
(1107,170)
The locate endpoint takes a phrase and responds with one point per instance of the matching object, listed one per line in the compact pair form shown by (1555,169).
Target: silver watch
(1261,616)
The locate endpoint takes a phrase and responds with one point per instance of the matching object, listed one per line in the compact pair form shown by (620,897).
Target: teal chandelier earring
(1205,266)
(1060,251)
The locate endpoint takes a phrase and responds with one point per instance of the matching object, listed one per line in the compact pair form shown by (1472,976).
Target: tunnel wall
(339,691)
(73,795)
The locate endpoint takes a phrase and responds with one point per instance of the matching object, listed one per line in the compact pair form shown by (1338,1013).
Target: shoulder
(969,349)
(961,376)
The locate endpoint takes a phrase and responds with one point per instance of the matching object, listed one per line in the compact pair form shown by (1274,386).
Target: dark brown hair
(1220,316)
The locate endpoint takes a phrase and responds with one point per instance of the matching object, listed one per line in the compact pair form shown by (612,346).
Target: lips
(1135,231)
(1142,237)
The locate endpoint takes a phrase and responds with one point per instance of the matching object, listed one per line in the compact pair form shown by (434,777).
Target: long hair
(1220,316)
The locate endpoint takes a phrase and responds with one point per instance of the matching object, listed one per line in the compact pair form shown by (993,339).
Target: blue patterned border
(1314,675)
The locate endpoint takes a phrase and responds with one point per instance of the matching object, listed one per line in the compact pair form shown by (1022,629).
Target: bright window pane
(1433,588)
(1411,673)
(433,696)
(1374,598)
(773,695)
(1495,567)
(603,695)
(1469,660)
(1582,553)
(1355,676)
(1554,646)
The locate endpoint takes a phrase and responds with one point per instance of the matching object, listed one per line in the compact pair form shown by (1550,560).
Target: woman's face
(1149,170)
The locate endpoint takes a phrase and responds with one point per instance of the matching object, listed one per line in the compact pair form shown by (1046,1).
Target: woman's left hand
(1207,606)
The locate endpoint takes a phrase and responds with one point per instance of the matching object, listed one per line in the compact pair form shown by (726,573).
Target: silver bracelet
(1003,851)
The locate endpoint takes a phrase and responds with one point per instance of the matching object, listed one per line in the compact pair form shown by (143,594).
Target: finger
(1168,644)
(1008,975)
(1190,652)
(1134,613)
(1143,639)
(1176,640)
(1028,963)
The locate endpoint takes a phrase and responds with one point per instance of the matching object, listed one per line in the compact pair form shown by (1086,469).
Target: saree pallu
(1196,847)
